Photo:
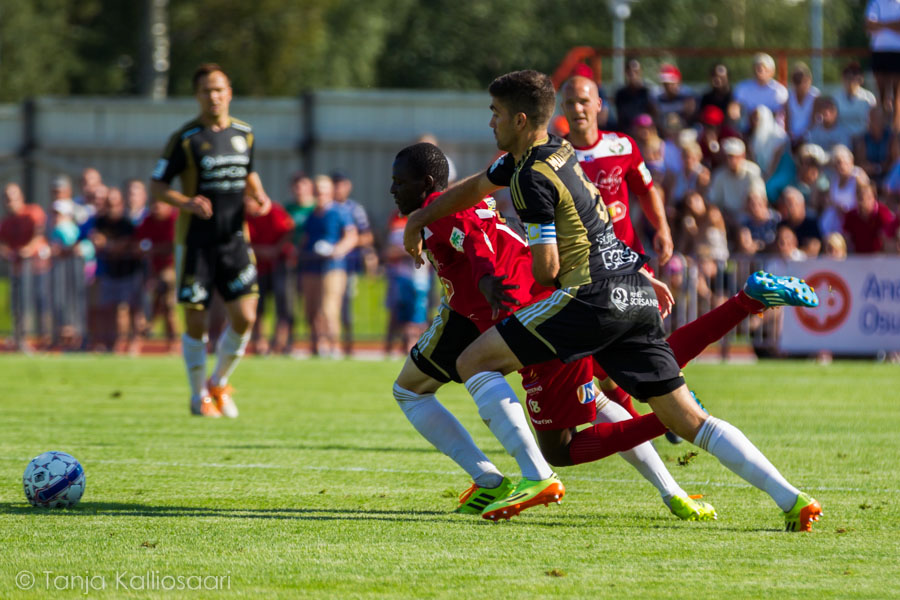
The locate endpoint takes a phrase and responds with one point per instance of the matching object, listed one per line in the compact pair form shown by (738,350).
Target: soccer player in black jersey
(604,305)
(213,156)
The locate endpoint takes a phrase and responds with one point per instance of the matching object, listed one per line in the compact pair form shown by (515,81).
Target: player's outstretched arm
(460,196)
(653,207)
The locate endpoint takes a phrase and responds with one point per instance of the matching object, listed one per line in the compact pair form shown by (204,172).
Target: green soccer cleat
(689,509)
(527,494)
(773,290)
(806,510)
(476,498)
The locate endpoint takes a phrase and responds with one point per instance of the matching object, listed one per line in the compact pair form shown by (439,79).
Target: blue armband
(540,234)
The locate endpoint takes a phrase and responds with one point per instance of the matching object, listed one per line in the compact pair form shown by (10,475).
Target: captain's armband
(538,233)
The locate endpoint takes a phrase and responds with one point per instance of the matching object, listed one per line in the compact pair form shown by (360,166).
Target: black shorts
(886,62)
(437,350)
(229,268)
(616,320)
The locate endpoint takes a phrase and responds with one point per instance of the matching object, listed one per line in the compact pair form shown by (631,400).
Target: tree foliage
(282,47)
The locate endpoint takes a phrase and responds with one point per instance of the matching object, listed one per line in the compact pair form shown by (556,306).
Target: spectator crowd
(750,170)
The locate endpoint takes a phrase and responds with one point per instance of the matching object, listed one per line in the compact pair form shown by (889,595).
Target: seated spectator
(651,146)
(731,183)
(834,246)
(804,226)
(119,274)
(720,95)
(760,220)
(877,148)
(633,98)
(704,239)
(674,98)
(714,129)
(786,245)
(745,246)
(827,131)
(801,98)
(810,178)
(329,235)
(270,234)
(770,148)
(762,89)
(693,176)
(870,224)
(854,101)
(24,247)
(673,134)
(156,238)
(841,195)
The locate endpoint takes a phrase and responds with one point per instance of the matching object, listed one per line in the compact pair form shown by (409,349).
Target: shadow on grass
(341,447)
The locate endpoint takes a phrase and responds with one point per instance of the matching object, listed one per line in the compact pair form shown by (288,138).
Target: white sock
(229,351)
(737,453)
(446,433)
(643,457)
(503,414)
(194,353)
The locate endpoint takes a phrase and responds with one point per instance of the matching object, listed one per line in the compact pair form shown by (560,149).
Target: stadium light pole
(620,11)
(816,40)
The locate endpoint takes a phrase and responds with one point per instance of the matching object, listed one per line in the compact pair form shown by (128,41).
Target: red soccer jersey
(466,246)
(268,230)
(613,164)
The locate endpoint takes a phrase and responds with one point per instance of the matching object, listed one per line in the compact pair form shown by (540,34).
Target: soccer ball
(53,479)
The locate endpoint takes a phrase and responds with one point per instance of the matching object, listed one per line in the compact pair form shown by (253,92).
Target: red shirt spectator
(156,235)
(869,222)
(22,231)
(268,234)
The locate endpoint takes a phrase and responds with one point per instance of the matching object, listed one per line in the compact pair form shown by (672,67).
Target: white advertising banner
(859,306)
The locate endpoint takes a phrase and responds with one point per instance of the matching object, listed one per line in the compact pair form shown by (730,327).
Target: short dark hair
(204,70)
(529,92)
(427,159)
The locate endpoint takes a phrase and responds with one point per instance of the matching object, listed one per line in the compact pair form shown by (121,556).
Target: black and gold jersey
(549,188)
(214,164)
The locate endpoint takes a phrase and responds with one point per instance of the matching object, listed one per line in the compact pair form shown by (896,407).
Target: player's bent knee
(402,394)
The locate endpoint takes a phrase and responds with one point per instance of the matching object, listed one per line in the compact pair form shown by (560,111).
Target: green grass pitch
(322,489)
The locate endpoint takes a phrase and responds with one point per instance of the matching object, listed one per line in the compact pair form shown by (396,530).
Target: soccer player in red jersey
(484,266)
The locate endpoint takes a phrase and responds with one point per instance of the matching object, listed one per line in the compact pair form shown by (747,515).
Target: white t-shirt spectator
(853,111)
(750,94)
(729,190)
(884,11)
(800,113)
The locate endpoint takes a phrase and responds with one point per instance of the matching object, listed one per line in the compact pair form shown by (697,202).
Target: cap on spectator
(643,120)
(583,70)
(814,152)
(762,58)
(63,207)
(733,146)
(338,176)
(669,74)
(60,182)
(712,115)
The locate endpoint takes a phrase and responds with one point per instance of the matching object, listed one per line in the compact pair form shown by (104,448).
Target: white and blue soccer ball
(53,480)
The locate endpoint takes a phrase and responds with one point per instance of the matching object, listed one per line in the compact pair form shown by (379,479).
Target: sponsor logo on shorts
(194,293)
(623,298)
(619,298)
(587,393)
(244,278)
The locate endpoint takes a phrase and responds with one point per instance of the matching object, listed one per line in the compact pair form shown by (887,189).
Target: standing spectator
(827,131)
(23,246)
(329,236)
(361,258)
(136,200)
(720,95)
(156,239)
(674,98)
(90,182)
(854,101)
(651,146)
(760,220)
(842,191)
(270,237)
(786,245)
(883,26)
(810,179)
(120,274)
(804,226)
(870,223)
(407,290)
(770,148)
(877,148)
(68,291)
(762,89)
(801,99)
(300,205)
(834,246)
(704,239)
(731,183)
(714,129)
(633,99)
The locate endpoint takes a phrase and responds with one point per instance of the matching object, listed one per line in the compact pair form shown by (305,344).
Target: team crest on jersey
(457,238)
(239,143)
(535,406)
(491,203)
(587,393)
(617,211)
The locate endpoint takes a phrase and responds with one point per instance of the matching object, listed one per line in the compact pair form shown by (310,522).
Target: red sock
(604,439)
(689,340)
(623,398)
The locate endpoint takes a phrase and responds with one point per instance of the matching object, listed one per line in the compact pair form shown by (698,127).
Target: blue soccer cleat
(773,290)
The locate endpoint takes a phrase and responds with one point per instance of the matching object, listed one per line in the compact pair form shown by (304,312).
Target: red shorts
(559,395)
